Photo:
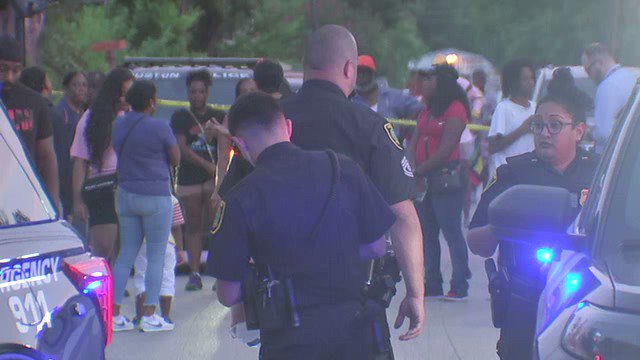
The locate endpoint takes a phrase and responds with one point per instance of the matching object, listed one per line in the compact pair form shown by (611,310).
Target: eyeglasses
(554,126)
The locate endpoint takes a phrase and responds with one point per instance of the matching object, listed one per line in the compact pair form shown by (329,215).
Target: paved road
(460,330)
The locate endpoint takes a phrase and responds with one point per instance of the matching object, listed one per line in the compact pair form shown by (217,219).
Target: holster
(269,300)
(383,277)
(499,288)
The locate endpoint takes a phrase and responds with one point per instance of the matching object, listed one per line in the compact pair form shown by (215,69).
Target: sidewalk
(454,330)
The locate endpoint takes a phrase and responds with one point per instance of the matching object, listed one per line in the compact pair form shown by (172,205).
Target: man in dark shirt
(310,214)
(30,115)
(558,126)
(67,114)
(323,117)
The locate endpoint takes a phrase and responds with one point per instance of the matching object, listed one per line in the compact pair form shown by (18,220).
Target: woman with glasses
(434,156)
(558,126)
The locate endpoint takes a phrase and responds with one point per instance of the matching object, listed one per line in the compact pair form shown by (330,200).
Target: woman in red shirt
(434,154)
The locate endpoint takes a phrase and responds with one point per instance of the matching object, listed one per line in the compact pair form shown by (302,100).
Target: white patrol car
(55,298)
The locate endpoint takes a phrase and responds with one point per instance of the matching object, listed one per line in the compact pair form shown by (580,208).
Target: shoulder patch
(388,128)
(406,167)
(217,220)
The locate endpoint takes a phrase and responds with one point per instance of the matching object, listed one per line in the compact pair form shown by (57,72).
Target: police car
(590,303)
(170,75)
(55,298)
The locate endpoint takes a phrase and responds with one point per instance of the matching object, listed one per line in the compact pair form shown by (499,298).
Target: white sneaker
(121,323)
(155,323)
(249,337)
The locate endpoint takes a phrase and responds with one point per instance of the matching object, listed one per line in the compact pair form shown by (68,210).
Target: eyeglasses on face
(553,126)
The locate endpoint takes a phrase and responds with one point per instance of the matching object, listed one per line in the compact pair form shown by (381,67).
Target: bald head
(331,54)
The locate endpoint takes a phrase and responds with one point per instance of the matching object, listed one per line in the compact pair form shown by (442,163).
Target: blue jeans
(444,212)
(141,217)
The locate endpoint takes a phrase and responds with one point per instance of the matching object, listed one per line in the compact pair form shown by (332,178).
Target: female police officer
(557,161)
(311,217)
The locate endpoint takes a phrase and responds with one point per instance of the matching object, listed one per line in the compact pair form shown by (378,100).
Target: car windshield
(620,247)
(19,200)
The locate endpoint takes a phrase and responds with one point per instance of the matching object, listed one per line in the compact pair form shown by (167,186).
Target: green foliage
(391,43)
(151,27)
(546,30)
(276,30)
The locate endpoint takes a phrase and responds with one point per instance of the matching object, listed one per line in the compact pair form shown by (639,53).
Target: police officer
(311,215)
(323,117)
(557,161)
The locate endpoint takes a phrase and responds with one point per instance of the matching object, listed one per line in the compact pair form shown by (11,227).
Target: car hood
(42,238)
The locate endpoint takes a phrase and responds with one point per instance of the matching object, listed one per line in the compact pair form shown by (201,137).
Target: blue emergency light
(544,255)
(92,286)
(573,282)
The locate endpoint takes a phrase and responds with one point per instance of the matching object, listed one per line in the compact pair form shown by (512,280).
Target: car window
(620,238)
(19,200)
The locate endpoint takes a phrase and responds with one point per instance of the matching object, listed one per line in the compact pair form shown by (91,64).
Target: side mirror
(534,215)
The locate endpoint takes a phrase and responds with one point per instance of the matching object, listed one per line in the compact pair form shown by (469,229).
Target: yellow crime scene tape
(403,122)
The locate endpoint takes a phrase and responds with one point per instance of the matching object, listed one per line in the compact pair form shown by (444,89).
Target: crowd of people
(110,166)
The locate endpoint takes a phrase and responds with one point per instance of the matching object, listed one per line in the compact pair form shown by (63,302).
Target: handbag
(102,187)
(446,179)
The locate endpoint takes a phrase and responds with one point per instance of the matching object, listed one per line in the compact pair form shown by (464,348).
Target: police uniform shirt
(323,117)
(528,169)
(270,214)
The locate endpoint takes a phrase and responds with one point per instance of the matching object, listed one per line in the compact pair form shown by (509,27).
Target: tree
(154,28)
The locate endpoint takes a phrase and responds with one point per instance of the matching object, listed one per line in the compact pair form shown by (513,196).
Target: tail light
(93,278)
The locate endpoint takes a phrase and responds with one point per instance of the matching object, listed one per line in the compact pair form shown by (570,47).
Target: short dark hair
(10,49)
(239,85)
(268,76)
(511,75)
(33,77)
(199,75)
(140,95)
(68,77)
(562,90)
(256,108)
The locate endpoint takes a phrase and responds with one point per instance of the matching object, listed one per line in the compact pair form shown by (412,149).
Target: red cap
(367,61)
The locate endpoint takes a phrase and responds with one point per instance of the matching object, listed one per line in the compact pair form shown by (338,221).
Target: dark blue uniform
(269,216)
(324,118)
(517,334)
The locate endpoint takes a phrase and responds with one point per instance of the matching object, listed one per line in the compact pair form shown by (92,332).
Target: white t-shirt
(507,117)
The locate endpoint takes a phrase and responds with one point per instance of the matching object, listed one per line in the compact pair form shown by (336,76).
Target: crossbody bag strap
(335,178)
(126,137)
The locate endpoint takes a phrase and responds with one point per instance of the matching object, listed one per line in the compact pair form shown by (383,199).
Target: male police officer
(310,215)
(558,126)
(323,117)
